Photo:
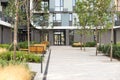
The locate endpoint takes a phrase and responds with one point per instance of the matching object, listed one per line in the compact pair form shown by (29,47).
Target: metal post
(41,65)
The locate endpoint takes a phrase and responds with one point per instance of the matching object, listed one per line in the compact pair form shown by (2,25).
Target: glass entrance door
(59,38)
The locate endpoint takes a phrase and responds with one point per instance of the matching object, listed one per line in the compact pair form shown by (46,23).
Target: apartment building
(61,20)
(61,27)
(5,26)
(56,20)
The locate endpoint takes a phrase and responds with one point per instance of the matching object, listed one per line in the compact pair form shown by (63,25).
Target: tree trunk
(84,40)
(111,47)
(15,28)
(99,40)
(96,41)
(81,41)
(28,23)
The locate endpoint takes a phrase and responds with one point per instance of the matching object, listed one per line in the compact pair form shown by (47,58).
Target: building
(55,19)
(61,29)
(5,26)
(60,22)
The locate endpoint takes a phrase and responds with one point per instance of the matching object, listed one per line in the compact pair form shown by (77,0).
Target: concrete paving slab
(67,63)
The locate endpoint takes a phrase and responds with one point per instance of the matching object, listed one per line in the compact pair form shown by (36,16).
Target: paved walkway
(67,63)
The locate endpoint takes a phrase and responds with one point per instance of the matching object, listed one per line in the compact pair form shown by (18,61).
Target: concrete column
(51,37)
(67,37)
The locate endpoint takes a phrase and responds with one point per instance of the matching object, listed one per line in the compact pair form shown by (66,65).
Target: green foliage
(90,44)
(21,57)
(10,11)
(94,13)
(6,62)
(25,44)
(38,5)
(5,46)
(106,50)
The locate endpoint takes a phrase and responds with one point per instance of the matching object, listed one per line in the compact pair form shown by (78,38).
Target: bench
(37,49)
(22,49)
(44,45)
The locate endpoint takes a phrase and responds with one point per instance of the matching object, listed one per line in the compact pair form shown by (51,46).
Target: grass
(2,50)
(15,72)
(21,56)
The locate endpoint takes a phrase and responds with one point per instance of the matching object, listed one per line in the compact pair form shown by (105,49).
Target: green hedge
(25,44)
(106,50)
(21,56)
(88,44)
(5,46)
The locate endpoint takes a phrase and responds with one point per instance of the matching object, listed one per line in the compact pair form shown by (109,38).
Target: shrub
(15,72)
(90,44)
(5,46)
(100,47)
(21,56)
(23,44)
(3,50)
(106,50)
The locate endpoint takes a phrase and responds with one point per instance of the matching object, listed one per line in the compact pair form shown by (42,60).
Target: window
(57,2)
(57,19)
(70,17)
(58,5)
(74,1)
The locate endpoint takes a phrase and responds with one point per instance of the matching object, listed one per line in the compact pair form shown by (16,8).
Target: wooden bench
(45,42)
(44,45)
(37,49)
(21,49)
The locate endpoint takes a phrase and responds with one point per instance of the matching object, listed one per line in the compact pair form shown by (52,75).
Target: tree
(41,18)
(94,13)
(13,10)
(27,7)
(101,16)
(82,8)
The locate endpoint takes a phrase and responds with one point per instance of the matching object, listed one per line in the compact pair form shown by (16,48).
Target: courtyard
(68,63)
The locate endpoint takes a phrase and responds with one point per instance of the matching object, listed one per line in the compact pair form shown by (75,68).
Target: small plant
(15,72)
(106,50)
(3,50)
(90,44)
(21,56)
(25,44)
(4,46)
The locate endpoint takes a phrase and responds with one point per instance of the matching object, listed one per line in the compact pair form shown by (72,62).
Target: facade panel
(65,19)
(35,35)
(118,35)
(51,37)
(52,5)
(68,5)
(7,35)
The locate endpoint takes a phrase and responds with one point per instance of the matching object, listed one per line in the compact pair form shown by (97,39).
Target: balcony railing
(117,23)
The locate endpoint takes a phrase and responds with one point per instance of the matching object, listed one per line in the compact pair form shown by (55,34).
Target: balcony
(65,9)
(117,23)
(56,23)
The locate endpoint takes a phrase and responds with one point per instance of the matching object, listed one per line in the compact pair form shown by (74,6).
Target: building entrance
(59,38)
